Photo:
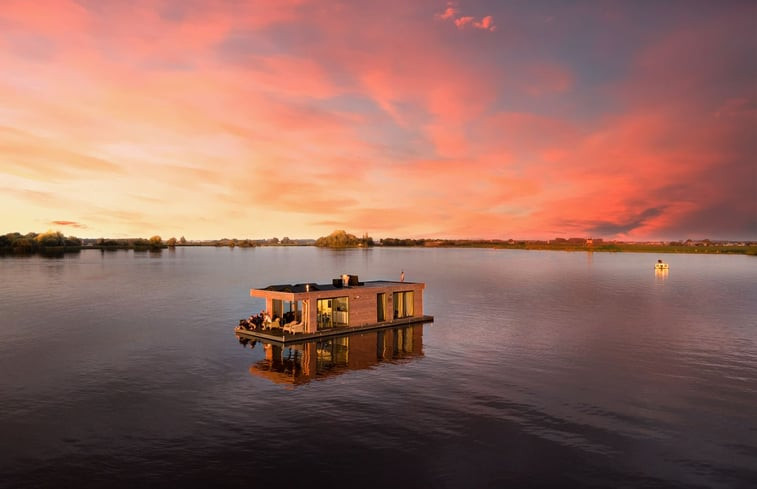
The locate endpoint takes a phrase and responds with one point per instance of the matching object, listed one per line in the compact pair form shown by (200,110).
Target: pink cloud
(460,22)
(487,23)
(451,14)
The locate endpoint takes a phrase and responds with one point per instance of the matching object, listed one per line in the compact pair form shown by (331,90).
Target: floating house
(660,265)
(346,303)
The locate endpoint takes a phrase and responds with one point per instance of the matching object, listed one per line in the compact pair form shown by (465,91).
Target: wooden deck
(277,335)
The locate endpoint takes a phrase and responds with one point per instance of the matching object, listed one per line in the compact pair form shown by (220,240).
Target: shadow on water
(324,358)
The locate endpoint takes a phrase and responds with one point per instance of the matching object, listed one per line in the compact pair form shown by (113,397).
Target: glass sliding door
(403,304)
(409,297)
(341,313)
(333,312)
(399,305)
(324,314)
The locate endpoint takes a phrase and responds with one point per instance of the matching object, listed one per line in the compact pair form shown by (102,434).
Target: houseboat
(660,265)
(310,310)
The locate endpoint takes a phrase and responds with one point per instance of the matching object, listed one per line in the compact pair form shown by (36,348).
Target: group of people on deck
(264,320)
(256,321)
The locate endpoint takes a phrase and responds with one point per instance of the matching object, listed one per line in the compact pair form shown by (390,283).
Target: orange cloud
(72,224)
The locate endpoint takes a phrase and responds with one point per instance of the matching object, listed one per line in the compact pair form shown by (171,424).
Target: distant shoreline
(54,243)
(750,250)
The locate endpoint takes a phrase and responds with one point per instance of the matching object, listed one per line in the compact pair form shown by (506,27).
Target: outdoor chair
(294,328)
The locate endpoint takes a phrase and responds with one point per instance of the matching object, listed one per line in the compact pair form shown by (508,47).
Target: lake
(540,369)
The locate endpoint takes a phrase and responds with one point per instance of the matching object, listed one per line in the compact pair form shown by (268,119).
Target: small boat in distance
(660,265)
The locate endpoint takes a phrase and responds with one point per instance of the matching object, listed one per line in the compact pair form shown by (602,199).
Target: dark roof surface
(297,288)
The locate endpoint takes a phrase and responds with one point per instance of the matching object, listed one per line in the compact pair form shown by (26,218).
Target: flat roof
(297,288)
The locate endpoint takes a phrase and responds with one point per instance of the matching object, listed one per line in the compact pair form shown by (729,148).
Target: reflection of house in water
(321,358)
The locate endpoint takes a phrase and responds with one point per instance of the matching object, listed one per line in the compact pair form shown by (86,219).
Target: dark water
(541,369)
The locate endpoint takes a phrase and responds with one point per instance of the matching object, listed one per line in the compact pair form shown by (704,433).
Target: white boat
(660,265)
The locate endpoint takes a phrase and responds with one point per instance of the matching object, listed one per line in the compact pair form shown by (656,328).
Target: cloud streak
(72,224)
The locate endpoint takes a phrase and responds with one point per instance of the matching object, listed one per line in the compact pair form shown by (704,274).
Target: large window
(333,312)
(403,304)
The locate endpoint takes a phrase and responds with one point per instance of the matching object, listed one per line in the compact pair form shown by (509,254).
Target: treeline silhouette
(50,242)
(55,243)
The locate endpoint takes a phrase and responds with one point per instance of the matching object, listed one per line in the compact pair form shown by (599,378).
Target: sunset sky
(471,119)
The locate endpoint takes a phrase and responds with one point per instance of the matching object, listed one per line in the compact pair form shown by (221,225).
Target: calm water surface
(541,369)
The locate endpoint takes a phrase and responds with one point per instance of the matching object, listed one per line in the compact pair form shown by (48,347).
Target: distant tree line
(155,242)
(249,243)
(402,242)
(470,243)
(50,242)
(139,244)
(54,242)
